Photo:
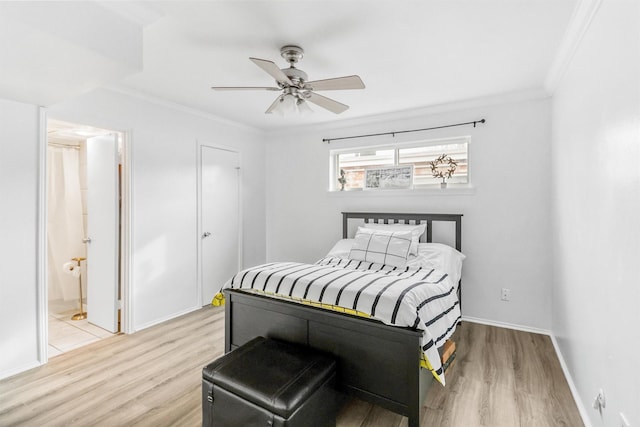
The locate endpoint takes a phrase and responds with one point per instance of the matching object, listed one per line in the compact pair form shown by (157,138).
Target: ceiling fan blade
(244,88)
(338,83)
(273,70)
(273,105)
(327,103)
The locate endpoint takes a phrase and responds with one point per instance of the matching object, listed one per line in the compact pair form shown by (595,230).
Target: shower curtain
(65,229)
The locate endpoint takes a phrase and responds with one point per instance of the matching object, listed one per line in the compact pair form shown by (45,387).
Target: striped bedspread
(419,298)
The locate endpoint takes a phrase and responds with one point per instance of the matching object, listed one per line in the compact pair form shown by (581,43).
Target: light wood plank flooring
(500,378)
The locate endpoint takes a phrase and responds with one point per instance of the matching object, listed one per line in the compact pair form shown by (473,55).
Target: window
(354,162)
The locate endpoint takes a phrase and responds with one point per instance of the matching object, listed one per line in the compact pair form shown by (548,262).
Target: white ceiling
(50,51)
(409,54)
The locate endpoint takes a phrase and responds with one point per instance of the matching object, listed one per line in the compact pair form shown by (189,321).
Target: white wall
(164,195)
(18,236)
(596,206)
(164,211)
(506,222)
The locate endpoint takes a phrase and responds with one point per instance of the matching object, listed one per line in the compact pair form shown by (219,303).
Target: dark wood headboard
(405,218)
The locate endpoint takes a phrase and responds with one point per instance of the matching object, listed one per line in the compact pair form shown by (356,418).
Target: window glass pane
(421,157)
(354,164)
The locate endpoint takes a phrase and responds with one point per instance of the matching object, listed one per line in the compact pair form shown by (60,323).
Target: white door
(102,231)
(220,187)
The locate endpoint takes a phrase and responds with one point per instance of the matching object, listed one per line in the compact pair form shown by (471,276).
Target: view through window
(355,162)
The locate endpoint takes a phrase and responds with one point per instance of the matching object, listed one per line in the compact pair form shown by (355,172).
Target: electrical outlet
(623,421)
(505,295)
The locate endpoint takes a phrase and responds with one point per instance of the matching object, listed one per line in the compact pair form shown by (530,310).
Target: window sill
(452,190)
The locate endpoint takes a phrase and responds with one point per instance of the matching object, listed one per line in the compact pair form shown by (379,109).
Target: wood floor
(500,378)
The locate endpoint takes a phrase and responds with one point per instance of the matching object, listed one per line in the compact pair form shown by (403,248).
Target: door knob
(206,234)
(86,240)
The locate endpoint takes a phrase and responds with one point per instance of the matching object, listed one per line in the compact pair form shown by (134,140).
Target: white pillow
(441,257)
(381,247)
(430,255)
(416,231)
(341,249)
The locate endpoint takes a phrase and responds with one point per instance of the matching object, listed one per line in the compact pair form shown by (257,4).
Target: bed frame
(376,362)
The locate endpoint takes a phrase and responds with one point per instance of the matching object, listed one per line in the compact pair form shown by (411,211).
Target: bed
(378,362)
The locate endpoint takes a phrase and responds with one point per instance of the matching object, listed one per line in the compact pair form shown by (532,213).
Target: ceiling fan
(296,89)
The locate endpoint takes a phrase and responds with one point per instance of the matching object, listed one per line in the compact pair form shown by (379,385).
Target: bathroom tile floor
(66,334)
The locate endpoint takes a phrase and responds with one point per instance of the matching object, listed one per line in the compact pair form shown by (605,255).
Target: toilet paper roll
(71,268)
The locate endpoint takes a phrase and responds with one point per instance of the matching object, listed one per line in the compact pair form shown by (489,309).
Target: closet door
(102,231)
(220,218)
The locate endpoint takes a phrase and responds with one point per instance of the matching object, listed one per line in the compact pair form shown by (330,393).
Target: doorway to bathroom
(84,174)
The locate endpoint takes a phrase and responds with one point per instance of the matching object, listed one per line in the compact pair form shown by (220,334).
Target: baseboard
(506,325)
(164,319)
(574,391)
(14,371)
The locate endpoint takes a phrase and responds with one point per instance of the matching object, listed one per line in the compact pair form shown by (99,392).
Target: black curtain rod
(328,140)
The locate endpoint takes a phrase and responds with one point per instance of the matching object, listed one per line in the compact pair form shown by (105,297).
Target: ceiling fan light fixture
(287,105)
(303,107)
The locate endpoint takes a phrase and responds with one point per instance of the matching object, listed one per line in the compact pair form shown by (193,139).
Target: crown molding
(486,101)
(180,107)
(473,103)
(582,17)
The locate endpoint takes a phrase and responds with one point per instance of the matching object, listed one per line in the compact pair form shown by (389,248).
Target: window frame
(396,147)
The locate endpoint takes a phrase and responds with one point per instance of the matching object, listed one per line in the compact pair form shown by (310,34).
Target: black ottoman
(270,383)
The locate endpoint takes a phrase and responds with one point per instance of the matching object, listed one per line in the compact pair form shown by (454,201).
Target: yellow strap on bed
(218,300)
(333,308)
(424,363)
